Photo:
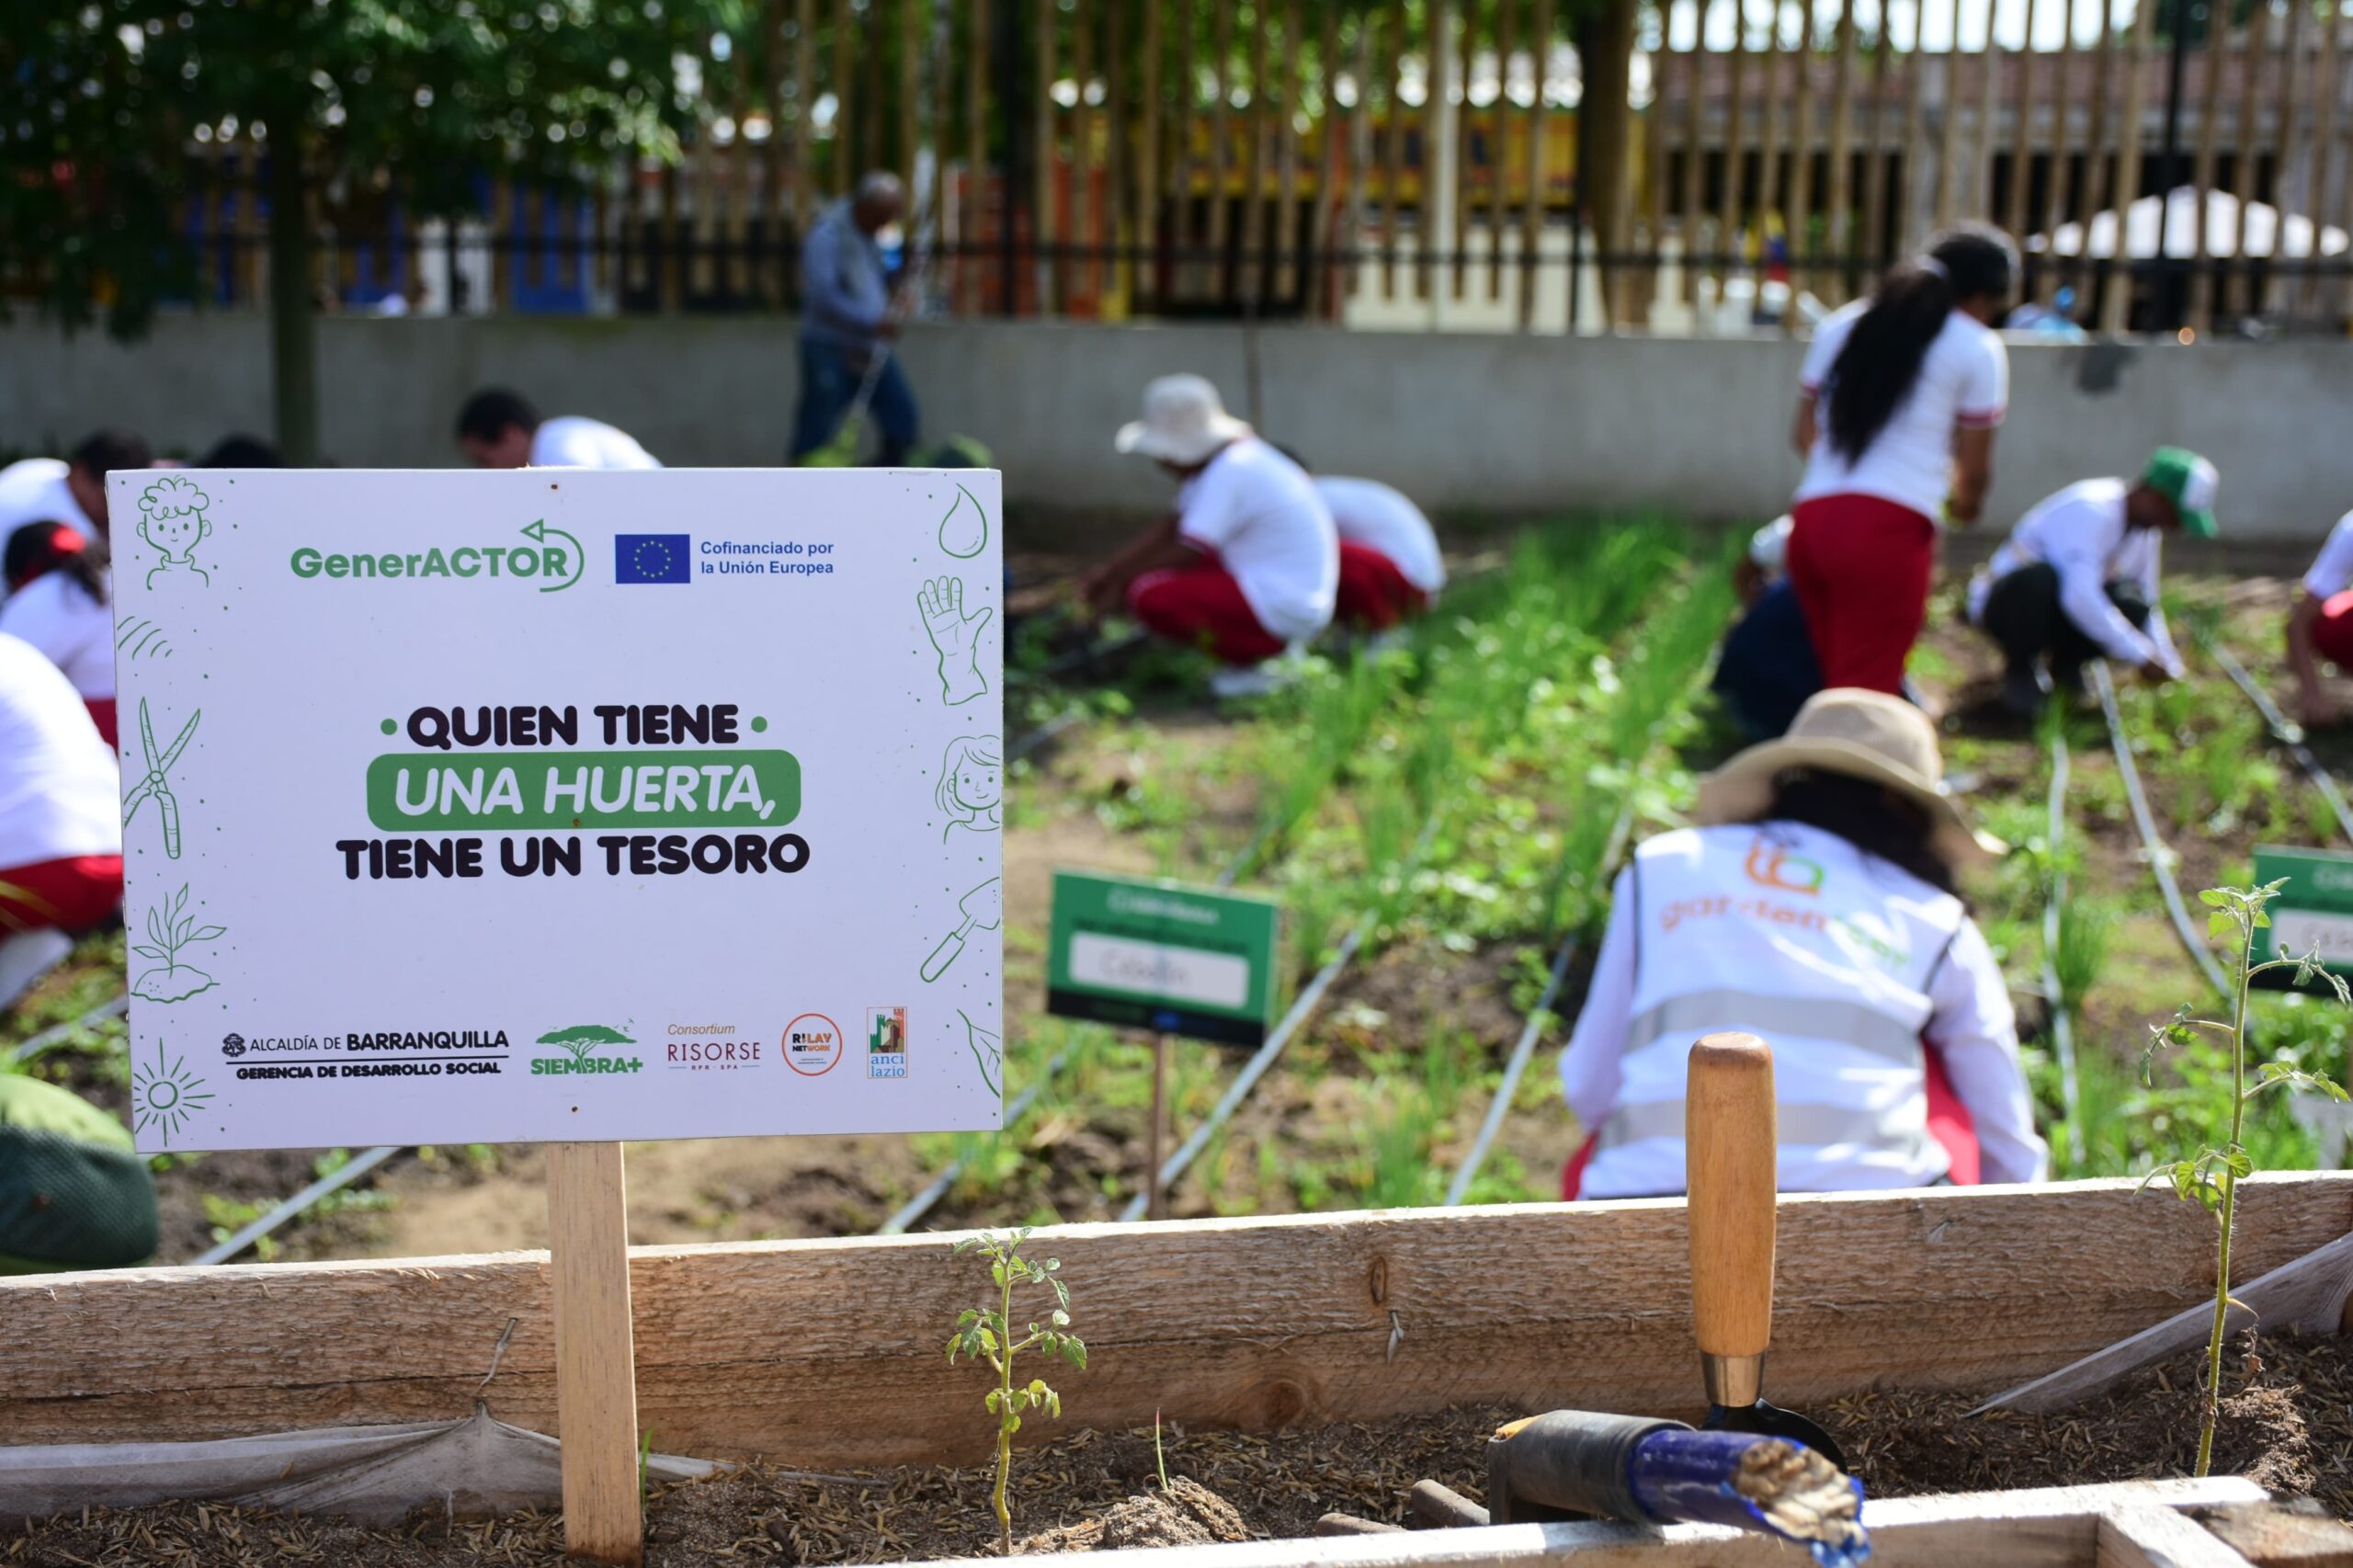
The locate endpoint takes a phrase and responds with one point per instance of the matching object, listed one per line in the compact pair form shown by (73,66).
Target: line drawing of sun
(166,1096)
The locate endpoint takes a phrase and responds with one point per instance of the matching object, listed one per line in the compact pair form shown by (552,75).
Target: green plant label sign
(2314,911)
(554,804)
(1160,955)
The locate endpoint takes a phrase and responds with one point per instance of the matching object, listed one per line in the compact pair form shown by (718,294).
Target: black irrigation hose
(1524,1049)
(923,1202)
(2290,736)
(2152,843)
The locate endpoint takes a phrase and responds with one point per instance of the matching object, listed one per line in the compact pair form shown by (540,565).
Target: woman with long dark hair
(1895,420)
(1815,908)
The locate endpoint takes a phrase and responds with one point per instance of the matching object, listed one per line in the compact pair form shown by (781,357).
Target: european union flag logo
(651,557)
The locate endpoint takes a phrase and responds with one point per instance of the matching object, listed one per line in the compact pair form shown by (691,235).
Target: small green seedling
(986,1333)
(2212,1175)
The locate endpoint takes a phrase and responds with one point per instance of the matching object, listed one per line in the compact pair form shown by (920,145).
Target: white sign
(468,807)
(1156,969)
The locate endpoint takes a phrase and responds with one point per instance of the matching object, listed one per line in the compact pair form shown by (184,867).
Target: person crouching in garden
(1247,564)
(1816,908)
(2077,578)
(61,818)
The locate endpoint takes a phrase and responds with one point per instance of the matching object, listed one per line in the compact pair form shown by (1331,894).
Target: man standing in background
(848,319)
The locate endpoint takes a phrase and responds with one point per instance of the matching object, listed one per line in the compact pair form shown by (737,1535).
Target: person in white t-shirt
(1391,566)
(60,807)
(1895,419)
(501,429)
(2077,577)
(72,489)
(59,600)
(2321,624)
(1249,560)
(1815,906)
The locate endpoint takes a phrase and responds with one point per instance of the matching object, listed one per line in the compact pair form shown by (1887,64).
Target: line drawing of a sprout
(170,928)
(582,1040)
(172,519)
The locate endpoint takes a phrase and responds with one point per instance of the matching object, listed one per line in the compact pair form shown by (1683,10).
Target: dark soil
(2287,1424)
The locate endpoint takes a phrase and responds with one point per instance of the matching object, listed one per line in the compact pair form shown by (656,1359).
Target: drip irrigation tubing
(923,1202)
(2063,1023)
(2288,735)
(2152,843)
(1077,659)
(351,1170)
(1524,1049)
(58,1034)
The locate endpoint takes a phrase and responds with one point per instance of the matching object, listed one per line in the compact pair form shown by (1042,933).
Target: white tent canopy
(2266,233)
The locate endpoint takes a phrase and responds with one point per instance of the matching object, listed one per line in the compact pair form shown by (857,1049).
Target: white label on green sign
(2297,932)
(468,807)
(1157,969)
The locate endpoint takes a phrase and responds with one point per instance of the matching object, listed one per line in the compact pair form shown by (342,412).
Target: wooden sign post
(595,1367)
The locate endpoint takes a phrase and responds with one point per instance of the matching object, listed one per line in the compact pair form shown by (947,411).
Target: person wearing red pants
(1247,564)
(2321,626)
(1390,567)
(1901,397)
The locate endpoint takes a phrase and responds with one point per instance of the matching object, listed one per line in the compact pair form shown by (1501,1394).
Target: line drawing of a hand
(955,637)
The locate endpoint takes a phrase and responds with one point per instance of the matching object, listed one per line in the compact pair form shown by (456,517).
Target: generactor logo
(812,1043)
(551,562)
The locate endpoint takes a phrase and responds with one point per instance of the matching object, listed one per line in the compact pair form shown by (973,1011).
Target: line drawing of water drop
(964,531)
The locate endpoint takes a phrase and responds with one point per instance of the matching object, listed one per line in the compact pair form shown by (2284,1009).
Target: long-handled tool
(1730,1136)
(1755,1465)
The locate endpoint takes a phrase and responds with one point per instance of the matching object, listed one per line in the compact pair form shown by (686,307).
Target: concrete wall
(1465,422)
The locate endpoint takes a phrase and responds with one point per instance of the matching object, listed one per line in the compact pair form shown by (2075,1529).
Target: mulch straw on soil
(2288,1424)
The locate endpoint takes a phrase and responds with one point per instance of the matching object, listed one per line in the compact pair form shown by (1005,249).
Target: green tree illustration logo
(582,1040)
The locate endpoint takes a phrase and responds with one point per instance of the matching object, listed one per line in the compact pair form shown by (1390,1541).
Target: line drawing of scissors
(158,783)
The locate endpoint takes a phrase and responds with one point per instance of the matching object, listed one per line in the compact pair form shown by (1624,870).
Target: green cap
(2188,481)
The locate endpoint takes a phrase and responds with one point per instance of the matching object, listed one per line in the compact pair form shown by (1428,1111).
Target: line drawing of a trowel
(983,907)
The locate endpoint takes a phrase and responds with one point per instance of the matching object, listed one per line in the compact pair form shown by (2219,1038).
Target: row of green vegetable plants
(1369,767)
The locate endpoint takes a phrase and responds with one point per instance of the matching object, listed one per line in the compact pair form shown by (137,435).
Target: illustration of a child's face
(174,536)
(979,785)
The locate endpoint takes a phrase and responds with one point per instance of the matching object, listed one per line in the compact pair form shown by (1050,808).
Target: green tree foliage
(102,101)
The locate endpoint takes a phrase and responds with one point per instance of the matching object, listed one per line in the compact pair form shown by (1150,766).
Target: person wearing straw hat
(2077,577)
(1249,560)
(1815,906)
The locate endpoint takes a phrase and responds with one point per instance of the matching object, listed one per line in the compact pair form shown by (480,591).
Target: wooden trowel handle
(1729,1170)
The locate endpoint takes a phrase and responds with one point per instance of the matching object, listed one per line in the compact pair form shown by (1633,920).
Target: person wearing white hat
(1249,559)
(1814,907)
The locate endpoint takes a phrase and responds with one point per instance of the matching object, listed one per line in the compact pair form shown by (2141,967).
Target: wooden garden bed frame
(829,1353)
(2147,1524)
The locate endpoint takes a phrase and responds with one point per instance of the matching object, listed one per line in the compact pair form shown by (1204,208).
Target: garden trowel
(1729,1143)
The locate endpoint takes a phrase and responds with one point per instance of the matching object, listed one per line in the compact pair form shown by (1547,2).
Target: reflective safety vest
(1793,935)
